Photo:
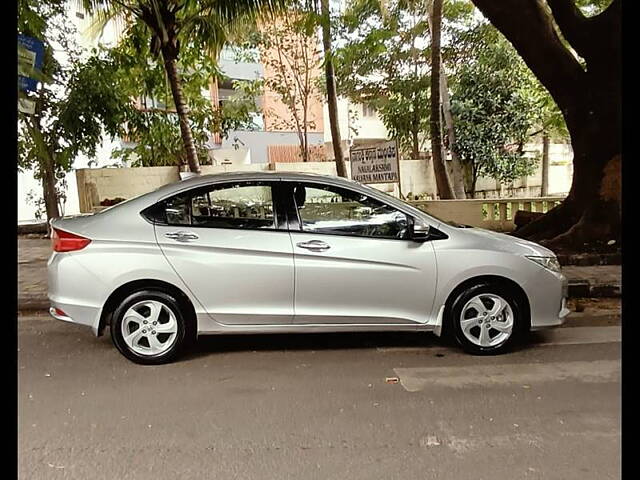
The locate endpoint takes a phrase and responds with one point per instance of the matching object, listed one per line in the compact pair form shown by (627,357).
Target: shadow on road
(209,344)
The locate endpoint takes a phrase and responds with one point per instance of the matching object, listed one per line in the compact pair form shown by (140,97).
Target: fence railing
(492,214)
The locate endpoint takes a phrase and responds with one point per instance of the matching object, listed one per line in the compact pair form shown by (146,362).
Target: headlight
(550,263)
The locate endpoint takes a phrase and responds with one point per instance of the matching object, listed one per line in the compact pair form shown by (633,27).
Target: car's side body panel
(353,283)
(240,276)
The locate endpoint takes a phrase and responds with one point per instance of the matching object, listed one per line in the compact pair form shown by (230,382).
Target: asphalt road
(319,407)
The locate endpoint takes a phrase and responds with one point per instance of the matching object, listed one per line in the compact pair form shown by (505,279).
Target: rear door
(353,262)
(229,244)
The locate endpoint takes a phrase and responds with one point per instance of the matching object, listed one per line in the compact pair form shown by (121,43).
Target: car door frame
(295,226)
(281,227)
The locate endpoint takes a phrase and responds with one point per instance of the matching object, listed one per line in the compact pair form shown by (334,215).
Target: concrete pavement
(320,406)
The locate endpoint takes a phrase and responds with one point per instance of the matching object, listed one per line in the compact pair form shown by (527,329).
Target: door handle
(181,236)
(314,245)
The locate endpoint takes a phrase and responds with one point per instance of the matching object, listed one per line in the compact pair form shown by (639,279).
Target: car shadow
(272,342)
(209,344)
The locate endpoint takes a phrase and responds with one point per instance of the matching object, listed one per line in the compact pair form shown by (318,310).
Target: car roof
(202,180)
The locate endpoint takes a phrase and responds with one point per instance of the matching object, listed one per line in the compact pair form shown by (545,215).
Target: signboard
(375,163)
(30,57)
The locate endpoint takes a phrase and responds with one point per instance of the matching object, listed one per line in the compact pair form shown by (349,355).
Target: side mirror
(419,231)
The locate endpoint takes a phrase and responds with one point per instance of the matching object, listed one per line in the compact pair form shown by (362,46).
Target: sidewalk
(593,281)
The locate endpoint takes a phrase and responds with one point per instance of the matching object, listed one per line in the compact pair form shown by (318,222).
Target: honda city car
(273,252)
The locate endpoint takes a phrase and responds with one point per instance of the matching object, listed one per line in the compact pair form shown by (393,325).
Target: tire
(154,344)
(479,332)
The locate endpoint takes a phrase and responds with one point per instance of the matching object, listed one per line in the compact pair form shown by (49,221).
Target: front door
(353,262)
(226,244)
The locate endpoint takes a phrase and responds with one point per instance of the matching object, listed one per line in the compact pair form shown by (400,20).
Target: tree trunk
(332,98)
(590,99)
(170,65)
(46,165)
(214,91)
(305,127)
(473,178)
(442,179)
(468,179)
(415,146)
(544,190)
(454,166)
(49,190)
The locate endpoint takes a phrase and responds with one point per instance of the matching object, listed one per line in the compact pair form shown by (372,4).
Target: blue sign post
(30,57)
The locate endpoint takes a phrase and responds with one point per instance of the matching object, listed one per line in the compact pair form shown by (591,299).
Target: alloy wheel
(149,328)
(487,320)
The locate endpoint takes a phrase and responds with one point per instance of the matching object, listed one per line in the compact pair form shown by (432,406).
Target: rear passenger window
(237,205)
(177,210)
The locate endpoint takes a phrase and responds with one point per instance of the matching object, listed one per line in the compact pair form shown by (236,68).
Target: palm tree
(332,97)
(208,22)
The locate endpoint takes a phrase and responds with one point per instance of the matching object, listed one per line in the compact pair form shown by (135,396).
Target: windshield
(447,222)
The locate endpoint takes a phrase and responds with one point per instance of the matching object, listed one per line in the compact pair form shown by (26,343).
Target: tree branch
(572,24)
(606,27)
(530,29)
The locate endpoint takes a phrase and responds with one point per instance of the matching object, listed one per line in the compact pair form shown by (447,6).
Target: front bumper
(548,294)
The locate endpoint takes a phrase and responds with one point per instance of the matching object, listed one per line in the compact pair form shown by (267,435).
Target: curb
(33,228)
(589,259)
(584,289)
(30,303)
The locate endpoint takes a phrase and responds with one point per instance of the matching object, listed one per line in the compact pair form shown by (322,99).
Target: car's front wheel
(487,319)
(148,327)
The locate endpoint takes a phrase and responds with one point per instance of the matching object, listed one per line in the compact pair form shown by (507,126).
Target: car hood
(506,243)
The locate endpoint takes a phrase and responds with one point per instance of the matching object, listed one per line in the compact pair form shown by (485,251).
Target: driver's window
(337,211)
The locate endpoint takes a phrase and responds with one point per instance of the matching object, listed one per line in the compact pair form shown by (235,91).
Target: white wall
(367,127)
(26,183)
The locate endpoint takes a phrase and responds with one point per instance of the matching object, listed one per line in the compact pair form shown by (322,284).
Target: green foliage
(211,24)
(153,128)
(495,105)
(591,8)
(64,123)
(95,103)
(383,61)
(206,26)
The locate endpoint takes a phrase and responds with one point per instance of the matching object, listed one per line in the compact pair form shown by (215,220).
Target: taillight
(67,242)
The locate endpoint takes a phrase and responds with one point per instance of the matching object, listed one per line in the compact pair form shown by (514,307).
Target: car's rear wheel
(149,328)
(487,319)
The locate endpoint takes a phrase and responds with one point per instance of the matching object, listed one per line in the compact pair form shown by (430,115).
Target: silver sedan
(287,252)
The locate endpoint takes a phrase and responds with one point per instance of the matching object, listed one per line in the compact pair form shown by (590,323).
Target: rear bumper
(59,315)
(74,291)
(78,314)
